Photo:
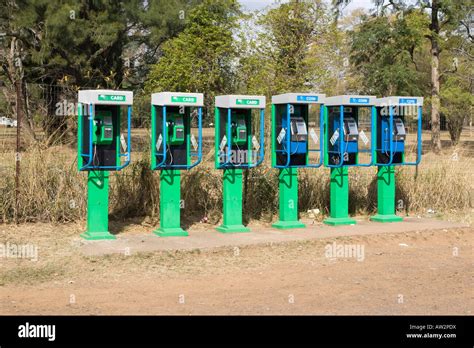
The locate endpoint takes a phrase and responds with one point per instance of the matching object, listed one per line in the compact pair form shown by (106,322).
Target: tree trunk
(26,119)
(435,83)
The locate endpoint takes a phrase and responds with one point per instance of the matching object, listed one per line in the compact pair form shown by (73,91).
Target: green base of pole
(286,225)
(97,206)
(97,235)
(171,232)
(339,221)
(232,202)
(170,205)
(288,191)
(386,196)
(386,218)
(339,198)
(232,228)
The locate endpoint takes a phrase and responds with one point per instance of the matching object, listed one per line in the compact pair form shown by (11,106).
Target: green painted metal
(273,135)
(249,135)
(325,133)
(339,198)
(217,136)
(79,136)
(119,111)
(170,204)
(153,137)
(232,202)
(97,206)
(111,98)
(288,185)
(386,196)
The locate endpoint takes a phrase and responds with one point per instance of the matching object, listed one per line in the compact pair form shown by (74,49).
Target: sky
(252,5)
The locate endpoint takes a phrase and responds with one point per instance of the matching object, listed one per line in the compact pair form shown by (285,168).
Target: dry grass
(52,189)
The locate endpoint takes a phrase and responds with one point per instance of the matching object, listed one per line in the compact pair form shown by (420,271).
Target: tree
(12,69)
(457,85)
(91,43)
(446,16)
(288,32)
(457,106)
(202,57)
(151,23)
(383,51)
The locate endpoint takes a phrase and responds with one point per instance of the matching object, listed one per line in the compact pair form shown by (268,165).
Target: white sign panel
(313,135)
(158,142)
(334,137)
(281,135)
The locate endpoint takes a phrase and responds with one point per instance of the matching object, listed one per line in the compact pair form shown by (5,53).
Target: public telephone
(100,133)
(100,138)
(347,146)
(237,149)
(173,116)
(236,144)
(393,114)
(239,130)
(176,130)
(397,138)
(350,127)
(299,131)
(292,130)
(400,133)
(351,134)
(174,147)
(103,128)
(391,138)
(295,144)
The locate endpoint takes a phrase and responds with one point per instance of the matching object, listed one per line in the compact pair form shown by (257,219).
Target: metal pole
(170,204)
(288,191)
(18,147)
(232,202)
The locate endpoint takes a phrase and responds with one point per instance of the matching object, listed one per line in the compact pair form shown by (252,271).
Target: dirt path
(411,273)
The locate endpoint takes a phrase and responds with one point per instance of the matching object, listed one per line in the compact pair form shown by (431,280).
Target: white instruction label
(158,142)
(255,143)
(281,135)
(194,142)
(123,142)
(313,135)
(363,137)
(223,143)
(334,137)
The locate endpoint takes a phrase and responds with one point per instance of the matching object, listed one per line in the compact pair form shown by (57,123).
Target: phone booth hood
(240,101)
(105,97)
(177,99)
(351,100)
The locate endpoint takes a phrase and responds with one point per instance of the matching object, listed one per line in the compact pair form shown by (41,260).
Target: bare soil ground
(419,272)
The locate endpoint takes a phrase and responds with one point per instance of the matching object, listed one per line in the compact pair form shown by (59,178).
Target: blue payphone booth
(349,141)
(398,130)
(297,142)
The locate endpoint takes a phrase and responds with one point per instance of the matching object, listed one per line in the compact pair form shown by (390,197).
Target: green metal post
(339,196)
(288,185)
(386,195)
(170,204)
(232,202)
(97,206)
